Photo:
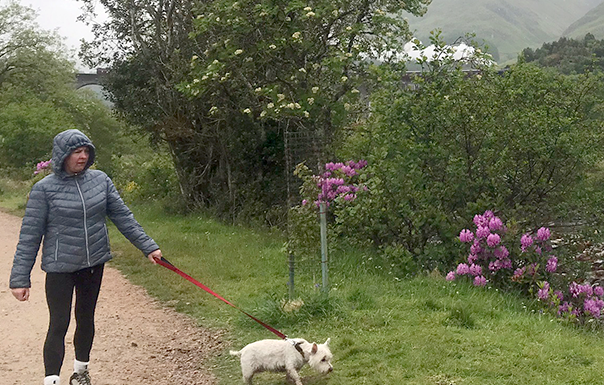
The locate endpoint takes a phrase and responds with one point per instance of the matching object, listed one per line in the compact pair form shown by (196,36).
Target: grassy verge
(383,330)
(13,195)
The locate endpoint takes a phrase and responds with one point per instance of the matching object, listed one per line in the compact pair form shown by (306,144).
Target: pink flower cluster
(336,181)
(486,248)
(585,300)
(42,166)
(471,270)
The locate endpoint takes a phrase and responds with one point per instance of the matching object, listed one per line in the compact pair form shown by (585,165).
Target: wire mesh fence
(302,146)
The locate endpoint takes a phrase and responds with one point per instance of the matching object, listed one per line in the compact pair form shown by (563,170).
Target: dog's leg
(293,374)
(247,376)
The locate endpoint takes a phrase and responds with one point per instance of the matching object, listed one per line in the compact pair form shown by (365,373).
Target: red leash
(165,263)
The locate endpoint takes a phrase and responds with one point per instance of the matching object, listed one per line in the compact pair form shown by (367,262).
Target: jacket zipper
(57,248)
(85,226)
(106,234)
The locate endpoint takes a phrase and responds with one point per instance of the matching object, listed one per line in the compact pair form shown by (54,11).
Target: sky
(61,15)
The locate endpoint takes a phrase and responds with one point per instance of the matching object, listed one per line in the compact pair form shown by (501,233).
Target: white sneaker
(80,378)
(52,380)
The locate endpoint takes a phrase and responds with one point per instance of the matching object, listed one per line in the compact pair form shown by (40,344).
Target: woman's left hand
(154,255)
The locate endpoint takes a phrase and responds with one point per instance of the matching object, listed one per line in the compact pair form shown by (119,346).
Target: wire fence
(302,146)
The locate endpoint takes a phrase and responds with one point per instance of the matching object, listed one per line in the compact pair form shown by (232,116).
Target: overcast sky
(61,15)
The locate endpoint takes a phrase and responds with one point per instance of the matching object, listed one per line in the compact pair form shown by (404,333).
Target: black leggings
(59,293)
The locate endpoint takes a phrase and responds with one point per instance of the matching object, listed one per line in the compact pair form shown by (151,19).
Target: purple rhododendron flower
(501,252)
(576,289)
(488,214)
(543,234)
(552,264)
(564,308)
(559,294)
(543,293)
(518,273)
(482,232)
(480,221)
(475,248)
(493,240)
(466,236)
(450,276)
(462,269)
(41,166)
(480,281)
(472,258)
(592,307)
(506,263)
(526,241)
(495,224)
(475,270)
(599,291)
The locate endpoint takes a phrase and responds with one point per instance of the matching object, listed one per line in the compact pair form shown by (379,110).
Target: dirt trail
(137,341)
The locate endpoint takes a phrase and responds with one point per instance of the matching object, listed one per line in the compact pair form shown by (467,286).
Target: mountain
(506,26)
(592,22)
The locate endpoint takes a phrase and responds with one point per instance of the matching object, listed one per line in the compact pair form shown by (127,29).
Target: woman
(68,209)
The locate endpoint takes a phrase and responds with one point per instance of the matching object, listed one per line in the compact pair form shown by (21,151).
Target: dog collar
(296,345)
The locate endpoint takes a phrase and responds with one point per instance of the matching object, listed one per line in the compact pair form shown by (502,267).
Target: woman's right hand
(22,294)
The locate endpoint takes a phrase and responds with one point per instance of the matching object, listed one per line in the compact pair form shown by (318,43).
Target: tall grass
(384,329)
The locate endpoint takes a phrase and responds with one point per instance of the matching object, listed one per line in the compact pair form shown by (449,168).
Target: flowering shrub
(532,269)
(582,302)
(43,167)
(338,183)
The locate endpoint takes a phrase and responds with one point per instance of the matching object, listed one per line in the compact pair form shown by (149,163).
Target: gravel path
(137,341)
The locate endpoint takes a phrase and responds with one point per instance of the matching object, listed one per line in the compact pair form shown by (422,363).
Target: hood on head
(63,144)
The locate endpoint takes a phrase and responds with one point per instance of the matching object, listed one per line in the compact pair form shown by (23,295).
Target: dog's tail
(235,353)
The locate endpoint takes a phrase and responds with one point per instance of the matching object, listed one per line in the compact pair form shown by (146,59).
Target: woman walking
(67,210)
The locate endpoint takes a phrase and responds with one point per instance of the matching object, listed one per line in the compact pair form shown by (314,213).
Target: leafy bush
(521,140)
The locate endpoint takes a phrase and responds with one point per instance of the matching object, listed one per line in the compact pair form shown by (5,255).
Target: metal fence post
(292,291)
(323,219)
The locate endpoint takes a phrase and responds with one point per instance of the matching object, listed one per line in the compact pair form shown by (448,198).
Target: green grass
(13,195)
(384,329)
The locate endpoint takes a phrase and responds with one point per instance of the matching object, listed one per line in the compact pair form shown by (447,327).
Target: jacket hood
(63,144)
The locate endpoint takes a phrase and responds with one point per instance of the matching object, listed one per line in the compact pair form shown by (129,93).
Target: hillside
(592,22)
(506,26)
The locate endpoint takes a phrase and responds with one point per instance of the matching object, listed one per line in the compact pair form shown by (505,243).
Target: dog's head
(320,357)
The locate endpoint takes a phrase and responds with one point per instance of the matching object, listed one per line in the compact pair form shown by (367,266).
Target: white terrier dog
(283,356)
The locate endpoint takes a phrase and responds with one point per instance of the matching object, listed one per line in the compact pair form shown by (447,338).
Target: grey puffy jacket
(69,212)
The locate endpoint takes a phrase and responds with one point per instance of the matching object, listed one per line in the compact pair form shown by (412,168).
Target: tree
(250,71)
(569,56)
(37,94)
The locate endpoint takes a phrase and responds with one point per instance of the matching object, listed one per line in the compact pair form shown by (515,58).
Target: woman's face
(77,160)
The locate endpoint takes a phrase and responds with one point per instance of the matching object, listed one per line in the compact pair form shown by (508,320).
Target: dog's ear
(314,348)
(327,342)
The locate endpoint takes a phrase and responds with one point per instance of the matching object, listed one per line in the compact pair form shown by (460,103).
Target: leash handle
(165,263)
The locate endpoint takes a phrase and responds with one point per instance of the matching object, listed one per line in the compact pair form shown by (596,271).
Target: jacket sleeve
(124,220)
(33,229)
